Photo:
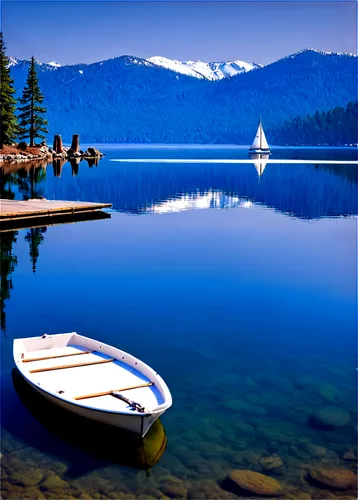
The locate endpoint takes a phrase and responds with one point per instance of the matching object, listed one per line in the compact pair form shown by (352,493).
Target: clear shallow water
(239,289)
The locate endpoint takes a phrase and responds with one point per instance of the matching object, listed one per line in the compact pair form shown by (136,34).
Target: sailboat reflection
(99,440)
(260,161)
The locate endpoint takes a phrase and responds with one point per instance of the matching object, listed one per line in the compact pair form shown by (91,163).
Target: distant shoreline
(201,145)
(44,153)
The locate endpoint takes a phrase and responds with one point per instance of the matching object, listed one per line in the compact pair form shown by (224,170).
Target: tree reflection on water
(8,262)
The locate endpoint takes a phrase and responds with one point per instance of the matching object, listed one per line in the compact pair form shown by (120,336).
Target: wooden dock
(43,212)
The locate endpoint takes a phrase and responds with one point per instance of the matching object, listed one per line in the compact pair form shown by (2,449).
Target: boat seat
(52,353)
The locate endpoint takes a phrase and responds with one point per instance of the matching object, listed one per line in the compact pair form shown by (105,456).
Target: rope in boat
(133,405)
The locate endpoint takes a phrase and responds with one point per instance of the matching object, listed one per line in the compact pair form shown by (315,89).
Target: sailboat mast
(260,133)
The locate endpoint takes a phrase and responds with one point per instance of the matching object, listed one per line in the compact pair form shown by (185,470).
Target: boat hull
(126,448)
(259,151)
(138,424)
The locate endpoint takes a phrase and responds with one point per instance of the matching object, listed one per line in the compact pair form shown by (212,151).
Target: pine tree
(31,121)
(8,119)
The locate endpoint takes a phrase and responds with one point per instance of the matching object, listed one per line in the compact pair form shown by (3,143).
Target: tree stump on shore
(57,144)
(75,146)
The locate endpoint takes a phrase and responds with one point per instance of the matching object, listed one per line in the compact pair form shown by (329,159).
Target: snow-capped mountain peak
(198,69)
(50,65)
(13,61)
(204,70)
(54,64)
(318,51)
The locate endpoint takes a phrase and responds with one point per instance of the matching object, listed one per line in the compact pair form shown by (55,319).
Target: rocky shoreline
(22,152)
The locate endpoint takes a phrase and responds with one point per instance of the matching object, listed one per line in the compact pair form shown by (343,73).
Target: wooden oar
(72,366)
(107,393)
(57,356)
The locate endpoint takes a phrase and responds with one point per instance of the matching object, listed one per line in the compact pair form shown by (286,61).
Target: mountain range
(197,69)
(131,99)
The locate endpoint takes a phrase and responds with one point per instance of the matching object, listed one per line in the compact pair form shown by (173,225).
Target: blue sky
(85,31)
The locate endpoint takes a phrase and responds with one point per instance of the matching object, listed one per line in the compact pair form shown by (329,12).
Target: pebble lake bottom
(238,286)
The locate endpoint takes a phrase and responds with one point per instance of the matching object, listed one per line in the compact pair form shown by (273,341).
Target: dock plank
(18,208)
(16,224)
(21,213)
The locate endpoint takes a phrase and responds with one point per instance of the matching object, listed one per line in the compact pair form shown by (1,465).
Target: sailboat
(260,143)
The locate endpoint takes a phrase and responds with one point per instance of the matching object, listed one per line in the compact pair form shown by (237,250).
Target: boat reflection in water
(260,161)
(102,441)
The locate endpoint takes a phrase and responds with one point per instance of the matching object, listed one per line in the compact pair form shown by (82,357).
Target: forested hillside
(120,100)
(337,126)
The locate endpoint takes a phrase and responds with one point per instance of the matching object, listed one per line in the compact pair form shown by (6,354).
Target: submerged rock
(295,495)
(85,496)
(54,482)
(256,483)
(270,463)
(206,489)
(191,436)
(340,479)
(326,391)
(330,417)
(31,478)
(209,433)
(276,436)
(209,449)
(314,451)
(349,455)
(296,463)
(236,405)
(252,457)
(34,494)
(174,488)
(242,429)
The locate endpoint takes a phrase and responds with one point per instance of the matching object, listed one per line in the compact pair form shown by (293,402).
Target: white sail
(260,142)
(264,144)
(256,143)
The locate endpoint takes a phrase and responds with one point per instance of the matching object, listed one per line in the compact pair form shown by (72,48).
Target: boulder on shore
(93,152)
(42,151)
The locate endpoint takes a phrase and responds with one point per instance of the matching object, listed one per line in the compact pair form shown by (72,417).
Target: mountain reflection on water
(306,191)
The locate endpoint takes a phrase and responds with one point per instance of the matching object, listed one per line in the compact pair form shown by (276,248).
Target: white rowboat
(93,379)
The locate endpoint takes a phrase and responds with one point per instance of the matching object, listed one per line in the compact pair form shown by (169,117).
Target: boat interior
(90,376)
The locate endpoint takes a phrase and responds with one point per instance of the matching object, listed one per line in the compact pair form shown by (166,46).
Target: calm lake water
(236,282)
